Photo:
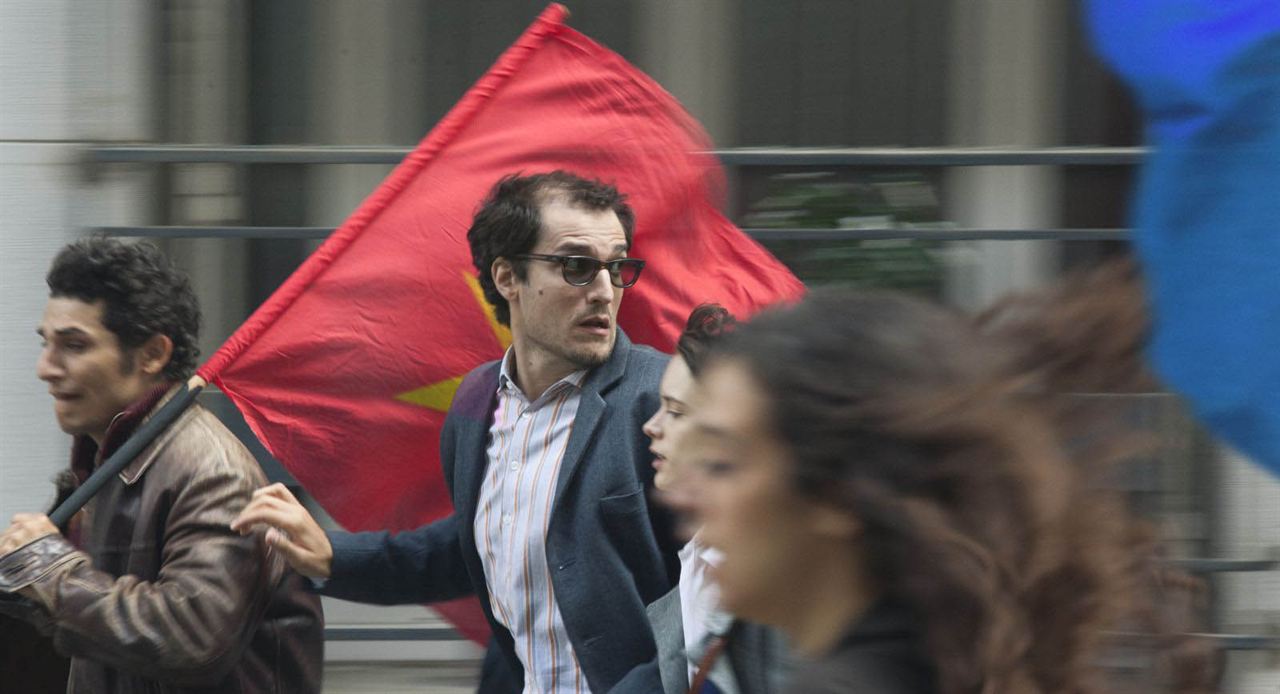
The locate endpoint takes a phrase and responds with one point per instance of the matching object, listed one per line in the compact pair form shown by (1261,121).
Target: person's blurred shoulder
(881,653)
(879,670)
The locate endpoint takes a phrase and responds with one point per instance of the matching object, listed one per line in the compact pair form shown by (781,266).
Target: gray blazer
(755,662)
(611,551)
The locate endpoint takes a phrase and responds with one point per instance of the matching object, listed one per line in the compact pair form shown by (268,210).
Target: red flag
(346,372)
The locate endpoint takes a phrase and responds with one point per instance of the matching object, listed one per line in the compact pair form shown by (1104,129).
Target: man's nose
(46,368)
(600,288)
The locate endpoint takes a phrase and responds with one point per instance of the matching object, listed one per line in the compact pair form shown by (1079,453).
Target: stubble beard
(581,357)
(585,358)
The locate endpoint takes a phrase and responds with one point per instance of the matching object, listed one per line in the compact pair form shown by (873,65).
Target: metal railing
(743,157)
(767,234)
(1230,642)
(749,156)
(391,634)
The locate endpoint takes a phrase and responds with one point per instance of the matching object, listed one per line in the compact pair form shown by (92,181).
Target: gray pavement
(396,677)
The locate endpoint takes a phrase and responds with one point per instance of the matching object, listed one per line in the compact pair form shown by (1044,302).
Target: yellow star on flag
(438,396)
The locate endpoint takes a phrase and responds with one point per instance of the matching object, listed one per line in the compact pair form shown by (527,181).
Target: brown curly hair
(985,501)
(707,323)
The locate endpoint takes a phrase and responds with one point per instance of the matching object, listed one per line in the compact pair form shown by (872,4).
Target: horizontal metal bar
(938,234)
(1226,642)
(751,156)
(246,154)
(216,232)
(1230,642)
(391,634)
(1243,642)
(252,232)
(1204,566)
(939,156)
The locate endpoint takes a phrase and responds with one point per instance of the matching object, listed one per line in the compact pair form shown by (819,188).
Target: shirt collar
(695,553)
(507,382)
(85,454)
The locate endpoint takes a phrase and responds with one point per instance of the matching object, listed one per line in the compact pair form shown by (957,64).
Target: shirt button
(506,519)
(514,465)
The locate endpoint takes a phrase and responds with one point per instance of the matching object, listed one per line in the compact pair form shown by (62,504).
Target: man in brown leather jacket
(150,590)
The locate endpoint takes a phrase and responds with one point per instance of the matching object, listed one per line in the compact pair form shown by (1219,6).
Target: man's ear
(504,278)
(154,354)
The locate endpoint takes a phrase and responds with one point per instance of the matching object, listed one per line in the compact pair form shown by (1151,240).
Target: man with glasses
(543,454)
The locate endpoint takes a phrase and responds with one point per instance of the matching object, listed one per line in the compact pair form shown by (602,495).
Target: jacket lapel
(591,410)
(473,438)
(668,635)
(146,410)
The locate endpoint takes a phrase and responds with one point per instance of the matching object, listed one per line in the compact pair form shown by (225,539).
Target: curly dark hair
(142,293)
(509,219)
(707,324)
(982,510)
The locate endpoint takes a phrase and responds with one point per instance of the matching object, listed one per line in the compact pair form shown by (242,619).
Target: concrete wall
(69,71)
(1006,71)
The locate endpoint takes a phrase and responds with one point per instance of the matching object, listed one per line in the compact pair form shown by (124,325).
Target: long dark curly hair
(985,501)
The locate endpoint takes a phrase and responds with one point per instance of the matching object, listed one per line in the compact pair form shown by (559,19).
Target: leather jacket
(163,596)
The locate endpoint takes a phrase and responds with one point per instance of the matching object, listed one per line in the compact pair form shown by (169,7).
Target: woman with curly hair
(895,486)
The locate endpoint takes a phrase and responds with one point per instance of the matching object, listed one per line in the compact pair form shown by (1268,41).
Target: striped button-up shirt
(526,444)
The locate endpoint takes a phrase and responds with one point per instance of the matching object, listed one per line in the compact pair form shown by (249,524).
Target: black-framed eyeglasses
(580,270)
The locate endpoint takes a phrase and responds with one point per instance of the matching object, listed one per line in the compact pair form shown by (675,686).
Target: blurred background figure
(902,494)
(1207,76)
(701,648)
